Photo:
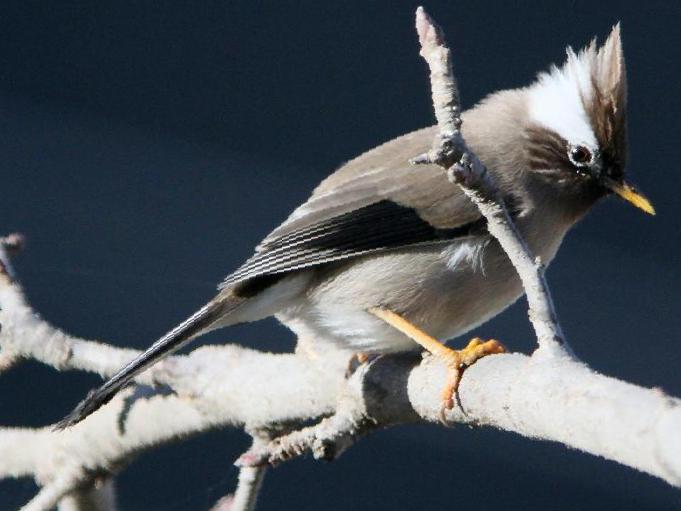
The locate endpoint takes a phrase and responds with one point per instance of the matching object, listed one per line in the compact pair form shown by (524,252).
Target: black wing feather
(383,225)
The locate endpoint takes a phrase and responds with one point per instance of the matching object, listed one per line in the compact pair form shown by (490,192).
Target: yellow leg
(456,360)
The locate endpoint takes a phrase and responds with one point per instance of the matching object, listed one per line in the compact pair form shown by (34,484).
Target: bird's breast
(444,289)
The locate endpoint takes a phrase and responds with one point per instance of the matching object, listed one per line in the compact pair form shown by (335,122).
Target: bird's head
(576,137)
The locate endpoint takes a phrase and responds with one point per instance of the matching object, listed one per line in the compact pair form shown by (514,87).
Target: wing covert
(376,202)
(382,226)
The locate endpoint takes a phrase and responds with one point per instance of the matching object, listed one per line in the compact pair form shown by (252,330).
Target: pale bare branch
(246,495)
(465,169)
(49,496)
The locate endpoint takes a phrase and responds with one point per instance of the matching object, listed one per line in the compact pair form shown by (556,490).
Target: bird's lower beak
(629,194)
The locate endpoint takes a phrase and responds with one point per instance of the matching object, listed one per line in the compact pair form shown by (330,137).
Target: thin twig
(330,437)
(465,169)
(65,482)
(248,486)
(446,149)
(247,490)
(476,183)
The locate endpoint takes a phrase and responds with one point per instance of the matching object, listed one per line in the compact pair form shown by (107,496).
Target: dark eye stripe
(546,149)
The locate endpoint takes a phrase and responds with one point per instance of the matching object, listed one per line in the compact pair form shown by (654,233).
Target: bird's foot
(458,360)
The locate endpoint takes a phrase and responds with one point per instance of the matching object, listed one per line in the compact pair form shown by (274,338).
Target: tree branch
(246,495)
(552,399)
(465,169)
(49,496)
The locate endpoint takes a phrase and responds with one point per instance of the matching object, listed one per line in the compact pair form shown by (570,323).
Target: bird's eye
(580,155)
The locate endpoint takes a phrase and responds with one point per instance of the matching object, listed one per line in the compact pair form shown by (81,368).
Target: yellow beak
(629,194)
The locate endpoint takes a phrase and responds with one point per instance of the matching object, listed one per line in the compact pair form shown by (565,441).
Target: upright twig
(465,169)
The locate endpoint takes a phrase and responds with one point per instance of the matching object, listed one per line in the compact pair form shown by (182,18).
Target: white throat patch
(555,99)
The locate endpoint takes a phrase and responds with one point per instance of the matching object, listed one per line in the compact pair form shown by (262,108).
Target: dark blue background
(145,147)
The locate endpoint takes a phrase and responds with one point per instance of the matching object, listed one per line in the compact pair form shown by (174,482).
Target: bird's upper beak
(629,194)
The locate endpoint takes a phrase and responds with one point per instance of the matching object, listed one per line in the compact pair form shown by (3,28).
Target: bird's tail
(183,333)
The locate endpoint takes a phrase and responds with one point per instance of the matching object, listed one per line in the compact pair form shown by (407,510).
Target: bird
(384,253)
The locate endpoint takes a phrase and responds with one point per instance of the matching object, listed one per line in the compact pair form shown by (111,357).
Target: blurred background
(146,147)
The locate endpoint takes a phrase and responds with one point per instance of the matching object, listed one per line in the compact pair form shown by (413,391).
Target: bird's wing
(375,202)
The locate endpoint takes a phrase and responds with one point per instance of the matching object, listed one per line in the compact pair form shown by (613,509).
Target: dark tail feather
(166,345)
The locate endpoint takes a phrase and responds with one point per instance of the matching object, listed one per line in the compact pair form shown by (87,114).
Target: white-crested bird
(384,253)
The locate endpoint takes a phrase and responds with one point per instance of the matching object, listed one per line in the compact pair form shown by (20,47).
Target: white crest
(556,99)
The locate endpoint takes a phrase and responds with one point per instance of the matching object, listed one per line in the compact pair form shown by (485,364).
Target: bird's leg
(456,360)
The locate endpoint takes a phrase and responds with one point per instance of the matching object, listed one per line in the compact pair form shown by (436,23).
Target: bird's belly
(444,290)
